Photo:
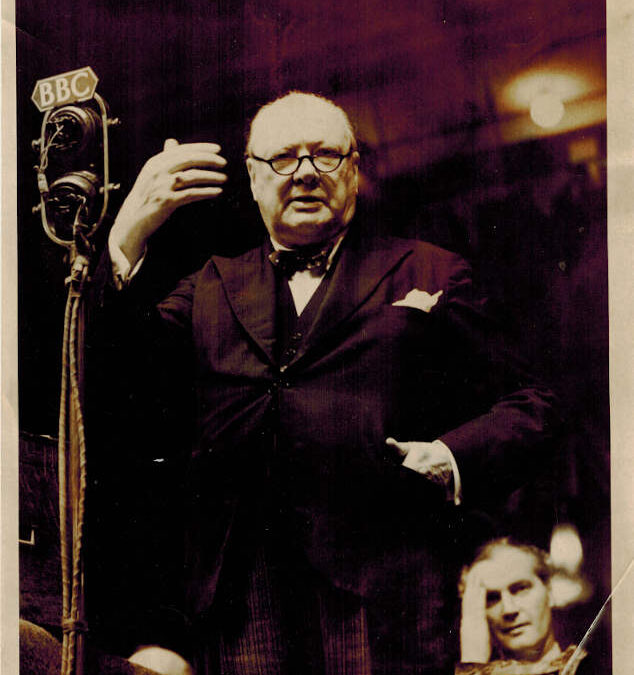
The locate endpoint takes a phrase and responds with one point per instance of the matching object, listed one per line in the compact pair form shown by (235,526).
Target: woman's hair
(542,565)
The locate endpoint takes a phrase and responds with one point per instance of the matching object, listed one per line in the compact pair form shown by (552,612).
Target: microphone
(73,170)
(69,194)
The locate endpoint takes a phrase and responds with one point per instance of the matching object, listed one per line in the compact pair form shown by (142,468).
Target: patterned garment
(509,667)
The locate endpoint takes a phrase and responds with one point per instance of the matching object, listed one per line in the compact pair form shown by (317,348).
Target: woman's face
(518,604)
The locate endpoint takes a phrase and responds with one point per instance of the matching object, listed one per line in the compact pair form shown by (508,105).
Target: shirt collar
(338,239)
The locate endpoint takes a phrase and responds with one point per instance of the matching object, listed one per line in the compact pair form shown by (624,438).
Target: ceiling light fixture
(547,109)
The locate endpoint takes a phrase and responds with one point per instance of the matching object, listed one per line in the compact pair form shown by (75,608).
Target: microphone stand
(72,454)
(70,190)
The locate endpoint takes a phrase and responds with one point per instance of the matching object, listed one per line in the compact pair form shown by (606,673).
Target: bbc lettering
(77,85)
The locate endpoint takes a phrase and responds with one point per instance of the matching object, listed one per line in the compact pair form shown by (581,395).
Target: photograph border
(620,95)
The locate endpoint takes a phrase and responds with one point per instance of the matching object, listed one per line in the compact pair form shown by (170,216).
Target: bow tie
(297,260)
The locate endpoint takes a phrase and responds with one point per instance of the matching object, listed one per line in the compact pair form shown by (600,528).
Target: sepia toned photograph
(313,338)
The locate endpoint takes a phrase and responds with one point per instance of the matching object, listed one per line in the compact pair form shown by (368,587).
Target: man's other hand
(179,175)
(432,460)
(161,660)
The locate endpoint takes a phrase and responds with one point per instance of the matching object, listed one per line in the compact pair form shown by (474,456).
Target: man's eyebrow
(315,145)
(275,152)
(279,151)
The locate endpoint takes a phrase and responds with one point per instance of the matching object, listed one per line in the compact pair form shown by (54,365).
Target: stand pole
(72,470)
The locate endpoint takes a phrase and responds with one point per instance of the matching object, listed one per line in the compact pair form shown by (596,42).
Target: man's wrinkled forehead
(295,121)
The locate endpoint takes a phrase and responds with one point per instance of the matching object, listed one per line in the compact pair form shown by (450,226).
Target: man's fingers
(171,144)
(197,194)
(196,178)
(195,159)
(182,157)
(428,459)
(401,446)
(177,156)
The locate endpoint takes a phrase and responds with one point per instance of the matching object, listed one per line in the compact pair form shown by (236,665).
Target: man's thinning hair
(307,98)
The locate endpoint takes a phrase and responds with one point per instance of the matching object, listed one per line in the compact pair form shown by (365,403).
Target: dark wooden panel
(40,571)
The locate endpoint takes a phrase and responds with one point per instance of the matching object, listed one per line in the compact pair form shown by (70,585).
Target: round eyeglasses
(324,161)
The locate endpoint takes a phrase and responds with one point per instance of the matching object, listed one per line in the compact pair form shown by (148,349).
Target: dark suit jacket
(308,439)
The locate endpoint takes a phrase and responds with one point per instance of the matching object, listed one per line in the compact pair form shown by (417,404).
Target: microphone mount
(73,172)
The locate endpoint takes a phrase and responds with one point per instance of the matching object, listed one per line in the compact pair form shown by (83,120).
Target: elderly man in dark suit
(350,395)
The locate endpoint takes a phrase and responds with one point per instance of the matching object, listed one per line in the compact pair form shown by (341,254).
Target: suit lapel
(362,266)
(249,283)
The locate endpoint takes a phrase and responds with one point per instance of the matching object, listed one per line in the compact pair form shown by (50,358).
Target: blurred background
(482,128)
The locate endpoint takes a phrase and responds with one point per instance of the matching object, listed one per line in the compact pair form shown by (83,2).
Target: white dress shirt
(304,283)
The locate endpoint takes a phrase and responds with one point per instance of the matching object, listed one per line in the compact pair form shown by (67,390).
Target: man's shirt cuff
(122,271)
(456,497)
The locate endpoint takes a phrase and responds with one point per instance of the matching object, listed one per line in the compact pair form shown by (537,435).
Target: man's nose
(306,172)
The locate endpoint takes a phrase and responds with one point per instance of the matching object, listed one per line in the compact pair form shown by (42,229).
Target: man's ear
(354,159)
(252,180)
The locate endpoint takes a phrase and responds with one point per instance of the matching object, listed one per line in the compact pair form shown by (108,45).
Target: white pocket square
(419,300)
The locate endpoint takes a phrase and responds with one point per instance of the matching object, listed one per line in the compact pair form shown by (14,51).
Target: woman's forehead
(506,566)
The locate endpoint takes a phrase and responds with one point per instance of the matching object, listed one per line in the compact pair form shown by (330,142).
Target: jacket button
(283,368)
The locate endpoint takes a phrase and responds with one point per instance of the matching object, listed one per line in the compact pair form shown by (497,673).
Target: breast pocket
(404,328)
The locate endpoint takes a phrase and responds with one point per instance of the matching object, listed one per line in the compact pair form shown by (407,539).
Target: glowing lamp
(547,110)
(566,551)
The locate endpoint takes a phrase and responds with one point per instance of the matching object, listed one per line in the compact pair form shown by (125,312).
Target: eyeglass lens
(323,163)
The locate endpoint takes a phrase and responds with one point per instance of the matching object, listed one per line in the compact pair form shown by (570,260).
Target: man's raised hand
(179,175)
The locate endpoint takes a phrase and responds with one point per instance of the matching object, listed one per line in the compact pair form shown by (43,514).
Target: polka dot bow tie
(297,260)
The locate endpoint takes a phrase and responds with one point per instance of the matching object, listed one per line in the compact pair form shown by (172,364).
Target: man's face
(518,604)
(307,207)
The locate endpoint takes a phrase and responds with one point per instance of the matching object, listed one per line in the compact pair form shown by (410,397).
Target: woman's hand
(475,639)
